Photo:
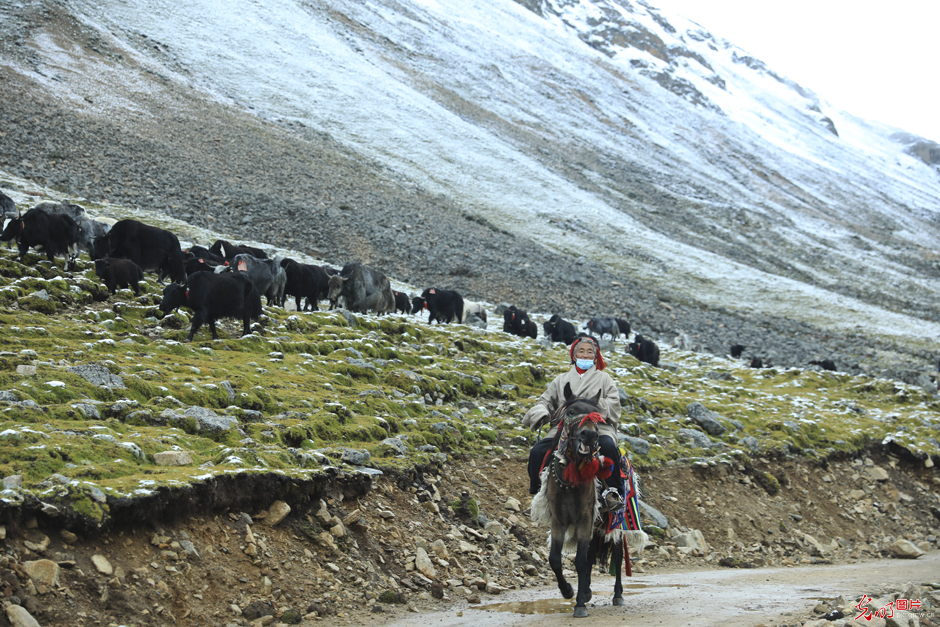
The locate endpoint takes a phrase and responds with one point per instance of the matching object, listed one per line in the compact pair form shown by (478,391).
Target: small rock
(905,549)
(693,539)
(465,547)
(397,444)
(513,504)
(355,457)
(45,572)
(229,390)
(424,565)
(26,371)
(277,512)
(878,473)
(102,564)
(209,421)
(38,547)
(19,617)
(172,458)
(440,549)
(190,548)
(817,548)
(13,481)
(492,588)
(256,610)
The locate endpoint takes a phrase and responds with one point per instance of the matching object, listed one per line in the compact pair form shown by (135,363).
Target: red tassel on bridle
(598,467)
(594,417)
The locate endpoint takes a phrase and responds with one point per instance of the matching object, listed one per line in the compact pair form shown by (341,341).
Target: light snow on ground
(428,87)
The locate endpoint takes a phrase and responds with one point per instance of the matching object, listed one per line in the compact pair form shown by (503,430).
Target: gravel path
(221,168)
(726,597)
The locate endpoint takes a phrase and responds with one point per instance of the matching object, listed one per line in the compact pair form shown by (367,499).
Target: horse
(567,500)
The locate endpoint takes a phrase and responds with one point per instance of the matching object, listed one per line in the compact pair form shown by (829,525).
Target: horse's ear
(568,394)
(596,398)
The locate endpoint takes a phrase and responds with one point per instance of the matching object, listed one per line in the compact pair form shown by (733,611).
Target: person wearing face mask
(586,377)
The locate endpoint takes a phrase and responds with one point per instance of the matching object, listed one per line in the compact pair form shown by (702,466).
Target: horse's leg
(554,560)
(616,554)
(583,566)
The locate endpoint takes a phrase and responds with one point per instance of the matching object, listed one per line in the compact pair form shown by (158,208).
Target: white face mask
(584,364)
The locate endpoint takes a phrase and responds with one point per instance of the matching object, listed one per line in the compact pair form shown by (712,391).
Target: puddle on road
(557,606)
(542,606)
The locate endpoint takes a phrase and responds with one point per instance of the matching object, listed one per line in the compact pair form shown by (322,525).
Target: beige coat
(585,386)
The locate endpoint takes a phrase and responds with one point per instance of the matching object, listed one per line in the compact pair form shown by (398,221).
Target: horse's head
(580,417)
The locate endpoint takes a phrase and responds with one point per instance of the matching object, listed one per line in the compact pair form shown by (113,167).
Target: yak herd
(227,280)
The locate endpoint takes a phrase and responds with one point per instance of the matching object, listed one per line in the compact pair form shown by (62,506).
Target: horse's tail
(540,511)
(636,540)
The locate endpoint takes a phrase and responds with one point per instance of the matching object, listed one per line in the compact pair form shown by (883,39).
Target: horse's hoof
(567,591)
(580,612)
(618,601)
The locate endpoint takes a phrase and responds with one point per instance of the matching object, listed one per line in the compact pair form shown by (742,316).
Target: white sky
(875,60)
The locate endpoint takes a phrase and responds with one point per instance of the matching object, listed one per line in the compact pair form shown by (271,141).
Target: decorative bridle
(565,468)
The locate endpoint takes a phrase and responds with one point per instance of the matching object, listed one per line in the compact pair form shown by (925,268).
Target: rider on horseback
(586,378)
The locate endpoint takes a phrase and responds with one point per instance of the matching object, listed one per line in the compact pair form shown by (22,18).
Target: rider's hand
(533,421)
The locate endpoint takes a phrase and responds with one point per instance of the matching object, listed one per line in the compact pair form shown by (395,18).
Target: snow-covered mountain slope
(603,128)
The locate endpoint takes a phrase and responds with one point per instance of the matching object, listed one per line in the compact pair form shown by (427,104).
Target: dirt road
(730,598)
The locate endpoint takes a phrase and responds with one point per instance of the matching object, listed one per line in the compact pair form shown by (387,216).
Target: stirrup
(611,501)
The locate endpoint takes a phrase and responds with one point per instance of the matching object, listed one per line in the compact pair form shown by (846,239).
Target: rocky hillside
(446,154)
(330,464)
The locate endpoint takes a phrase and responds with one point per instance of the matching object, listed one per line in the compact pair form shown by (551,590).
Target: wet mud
(727,597)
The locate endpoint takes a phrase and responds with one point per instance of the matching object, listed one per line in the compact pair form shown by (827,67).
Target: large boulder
(706,419)
(209,421)
(98,374)
(695,437)
(639,445)
(905,549)
(692,539)
(651,515)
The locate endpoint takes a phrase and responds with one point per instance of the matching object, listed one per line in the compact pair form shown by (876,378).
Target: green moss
(299,412)
(466,508)
(87,507)
(768,482)
(355,372)
(653,530)
(38,305)
(388,597)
